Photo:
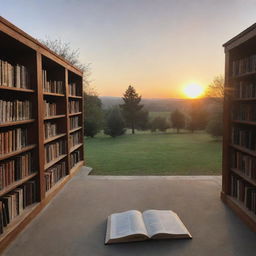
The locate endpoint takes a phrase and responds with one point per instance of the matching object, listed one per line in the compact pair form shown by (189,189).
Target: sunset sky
(158,46)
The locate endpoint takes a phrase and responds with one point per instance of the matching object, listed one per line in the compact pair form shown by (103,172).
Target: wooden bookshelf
(38,78)
(239,141)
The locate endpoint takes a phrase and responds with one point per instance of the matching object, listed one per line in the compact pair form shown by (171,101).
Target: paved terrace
(74,223)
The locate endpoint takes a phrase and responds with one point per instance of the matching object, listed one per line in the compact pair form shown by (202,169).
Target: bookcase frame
(19,37)
(241,46)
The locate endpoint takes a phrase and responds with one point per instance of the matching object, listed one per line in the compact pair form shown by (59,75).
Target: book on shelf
(244,65)
(15,169)
(15,110)
(54,174)
(244,112)
(50,108)
(50,129)
(131,226)
(243,192)
(54,150)
(52,86)
(244,137)
(13,204)
(75,157)
(245,89)
(75,138)
(13,140)
(74,122)
(14,75)
(73,89)
(73,106)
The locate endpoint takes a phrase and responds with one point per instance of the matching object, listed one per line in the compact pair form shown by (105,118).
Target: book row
(13,140)
(73,89)
(52,86)
(15,110)
(54,174)
(13,203)
(15,169)
(244,138)
(243,66)
(75,138)
(244,89)
(50,130)
(75,157)
(73,106)
(74,122)
(244,112)
(13,75)
(50,109)
(54,150)
(244,163)
(243,192)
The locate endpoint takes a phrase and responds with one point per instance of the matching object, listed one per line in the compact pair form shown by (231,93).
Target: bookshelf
(41,127)
(239,141)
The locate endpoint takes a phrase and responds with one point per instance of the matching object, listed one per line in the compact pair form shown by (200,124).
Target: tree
(131,107)
(215,90)
(115,125)
(215,125)
(177,120)
(159,123)
(142,120)
(93,115)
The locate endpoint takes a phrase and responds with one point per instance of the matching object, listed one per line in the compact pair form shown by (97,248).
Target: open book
(133,226)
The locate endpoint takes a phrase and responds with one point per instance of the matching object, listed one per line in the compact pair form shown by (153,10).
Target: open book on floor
(133,226)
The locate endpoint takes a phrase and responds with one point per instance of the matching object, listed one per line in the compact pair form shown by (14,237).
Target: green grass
(154,154)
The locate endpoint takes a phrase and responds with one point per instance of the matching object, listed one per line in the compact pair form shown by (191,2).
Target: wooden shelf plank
(54,138)
(75,147)
(14,153)
(54,161)
(53,94)
(245,150)
(244,122)
(77,165)
(75,114)
(16,184)
(16,89)
(53,117)
(17,123)
(242,175)
(75,129)
(244,99)
(244,75)
(75,97)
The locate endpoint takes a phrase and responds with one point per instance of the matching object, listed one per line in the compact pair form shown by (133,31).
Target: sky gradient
(158,46)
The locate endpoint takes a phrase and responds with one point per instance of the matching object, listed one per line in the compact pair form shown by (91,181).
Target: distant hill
(160,105)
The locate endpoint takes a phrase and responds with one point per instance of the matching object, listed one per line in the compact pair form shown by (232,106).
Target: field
(154,154)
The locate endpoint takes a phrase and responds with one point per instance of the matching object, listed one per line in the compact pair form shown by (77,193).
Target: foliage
(160,124)
(215,124)
(93,115)
(114,125)
(215,90)
(178,120)
(131,107)
(148,153)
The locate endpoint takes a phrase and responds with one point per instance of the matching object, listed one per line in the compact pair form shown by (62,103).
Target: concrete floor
(74,223)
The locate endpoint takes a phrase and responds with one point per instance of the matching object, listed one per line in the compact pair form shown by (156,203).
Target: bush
(90,128)
(159,123)
(215,125)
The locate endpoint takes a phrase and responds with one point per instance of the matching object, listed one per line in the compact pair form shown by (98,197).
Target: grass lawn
(154,154)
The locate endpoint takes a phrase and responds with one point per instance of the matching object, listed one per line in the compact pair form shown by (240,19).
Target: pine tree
(131,107)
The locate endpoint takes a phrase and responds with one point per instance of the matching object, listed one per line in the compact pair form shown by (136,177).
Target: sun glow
(193,91)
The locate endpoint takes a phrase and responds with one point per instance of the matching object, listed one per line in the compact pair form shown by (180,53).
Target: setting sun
(193,90)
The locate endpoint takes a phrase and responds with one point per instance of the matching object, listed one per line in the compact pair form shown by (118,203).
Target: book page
(164,222)
(126,224)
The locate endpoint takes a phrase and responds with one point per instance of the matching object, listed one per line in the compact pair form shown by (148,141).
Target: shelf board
(245,150)
(75,97)
(53,117)
(244,75)
(16,184)
(16,221)
(54,161)
(75,114)
(54,138)
(75,147)
(244,122)
(244,99)
(14,153)
(57,185)
(17,123)
(77,165)
(75,129)
(53,94)
(242,175)
(16,89)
